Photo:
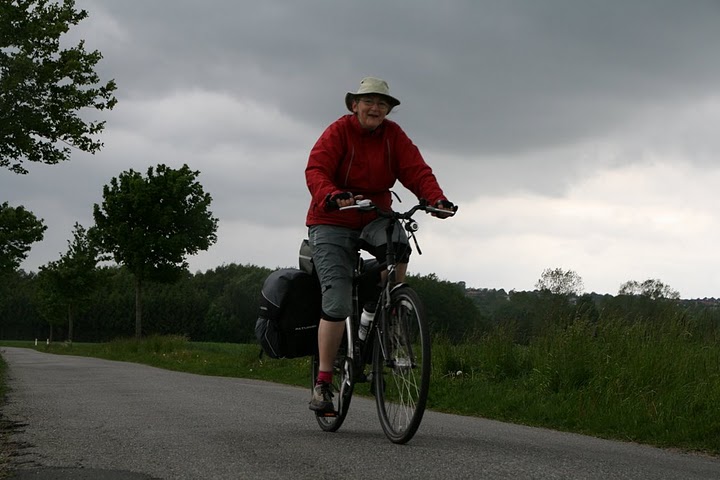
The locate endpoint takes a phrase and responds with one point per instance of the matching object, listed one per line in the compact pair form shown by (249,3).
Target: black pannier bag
(305,257)
(290,304)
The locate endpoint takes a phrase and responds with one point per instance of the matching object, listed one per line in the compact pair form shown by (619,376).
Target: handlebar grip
(436,210)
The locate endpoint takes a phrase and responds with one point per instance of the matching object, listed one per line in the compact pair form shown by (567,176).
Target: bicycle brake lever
(364,204)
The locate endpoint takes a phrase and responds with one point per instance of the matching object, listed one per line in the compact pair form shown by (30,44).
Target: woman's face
(371,110)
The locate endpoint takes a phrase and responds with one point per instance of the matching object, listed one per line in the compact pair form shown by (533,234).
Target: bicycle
(397,345)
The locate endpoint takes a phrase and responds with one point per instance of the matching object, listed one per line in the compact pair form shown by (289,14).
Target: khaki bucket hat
(368,86)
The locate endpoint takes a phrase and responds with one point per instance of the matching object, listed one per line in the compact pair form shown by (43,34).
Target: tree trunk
(71,314)
(138,307)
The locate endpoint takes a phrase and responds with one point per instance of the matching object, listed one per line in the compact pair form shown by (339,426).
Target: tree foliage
(651,288)
(221,305)
(150,224)
(66,283)
(447,308)
(19,229)
(43,88)
(560,282)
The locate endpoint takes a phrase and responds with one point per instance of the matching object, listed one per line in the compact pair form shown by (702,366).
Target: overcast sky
(579,135)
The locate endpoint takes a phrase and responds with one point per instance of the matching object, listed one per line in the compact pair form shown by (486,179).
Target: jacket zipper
(347,173)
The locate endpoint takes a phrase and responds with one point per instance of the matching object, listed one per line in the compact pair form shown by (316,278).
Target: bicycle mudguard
(399,285)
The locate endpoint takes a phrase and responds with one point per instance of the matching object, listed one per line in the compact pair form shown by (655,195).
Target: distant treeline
(221,305)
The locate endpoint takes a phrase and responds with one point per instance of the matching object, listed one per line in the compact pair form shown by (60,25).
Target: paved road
(91,418)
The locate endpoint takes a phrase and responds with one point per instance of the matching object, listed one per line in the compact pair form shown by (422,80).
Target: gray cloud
(503,97)
(475,77)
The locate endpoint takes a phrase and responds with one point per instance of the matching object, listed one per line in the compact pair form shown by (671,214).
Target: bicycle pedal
(327,414)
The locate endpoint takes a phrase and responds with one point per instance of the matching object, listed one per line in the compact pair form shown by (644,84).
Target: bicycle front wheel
(401,364)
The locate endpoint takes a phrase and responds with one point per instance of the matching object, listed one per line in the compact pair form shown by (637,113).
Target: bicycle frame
(399,318)
(360,351)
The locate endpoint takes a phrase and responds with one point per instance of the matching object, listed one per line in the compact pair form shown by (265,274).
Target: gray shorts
(335,253)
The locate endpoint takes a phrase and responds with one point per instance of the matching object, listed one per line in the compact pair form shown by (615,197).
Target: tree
(149,224)
(19,228)
(18,314)
(43,88)
(651,288)
(560,282)
(448,309)
(70,280)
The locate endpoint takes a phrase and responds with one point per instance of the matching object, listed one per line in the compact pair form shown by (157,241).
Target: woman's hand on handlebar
(442,206)
(344,199)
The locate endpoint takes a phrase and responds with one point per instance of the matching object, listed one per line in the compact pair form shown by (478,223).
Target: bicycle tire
(401,366)
(343,385)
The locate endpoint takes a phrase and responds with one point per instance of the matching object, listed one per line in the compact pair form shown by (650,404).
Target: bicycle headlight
(412,226)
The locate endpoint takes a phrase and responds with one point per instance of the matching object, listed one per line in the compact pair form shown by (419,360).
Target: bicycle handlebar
(367,205)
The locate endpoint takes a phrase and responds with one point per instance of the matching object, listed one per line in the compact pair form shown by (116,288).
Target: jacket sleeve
(323,165)
(413,172)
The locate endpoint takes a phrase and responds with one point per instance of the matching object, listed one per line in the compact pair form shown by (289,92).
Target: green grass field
(658,385)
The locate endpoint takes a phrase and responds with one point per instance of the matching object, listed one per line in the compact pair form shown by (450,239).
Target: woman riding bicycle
(359,156)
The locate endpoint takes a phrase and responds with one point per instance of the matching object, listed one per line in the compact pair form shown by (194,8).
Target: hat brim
(350,97)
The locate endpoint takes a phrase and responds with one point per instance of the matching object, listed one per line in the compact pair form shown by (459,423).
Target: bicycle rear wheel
(342,387)
(401,364)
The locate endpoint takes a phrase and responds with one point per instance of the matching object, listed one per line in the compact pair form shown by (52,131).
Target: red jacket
(348,158)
